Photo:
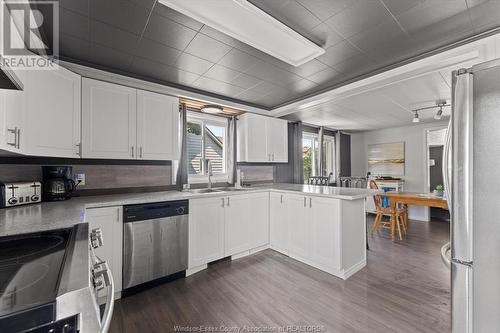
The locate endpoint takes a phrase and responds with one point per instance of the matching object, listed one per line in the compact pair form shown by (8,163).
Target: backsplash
(104,179)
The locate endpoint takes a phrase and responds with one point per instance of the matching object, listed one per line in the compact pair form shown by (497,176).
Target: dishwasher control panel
(156,210)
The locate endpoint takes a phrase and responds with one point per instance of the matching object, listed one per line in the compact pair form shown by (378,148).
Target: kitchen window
(310,155)
(206,140)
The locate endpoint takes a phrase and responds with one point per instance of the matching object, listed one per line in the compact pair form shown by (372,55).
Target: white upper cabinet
(12,107)
(52,113)
(277,139)
(120,122)
(109,116)
(262,139)
(157,126)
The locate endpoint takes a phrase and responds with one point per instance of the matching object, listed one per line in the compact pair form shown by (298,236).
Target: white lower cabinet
(324,236)
(298,226)
(308,229)
(236,225)
(278,217)
(224,226)
(206,230)
(258,219)
(110,221)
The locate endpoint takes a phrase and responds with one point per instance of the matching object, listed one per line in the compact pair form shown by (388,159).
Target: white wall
(415,156)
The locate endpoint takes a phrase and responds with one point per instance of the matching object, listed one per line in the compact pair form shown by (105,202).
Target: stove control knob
(35,197)
(12,201)
(96,238)
(180,210)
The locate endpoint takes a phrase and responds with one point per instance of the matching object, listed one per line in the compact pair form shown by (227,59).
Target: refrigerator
(472,184)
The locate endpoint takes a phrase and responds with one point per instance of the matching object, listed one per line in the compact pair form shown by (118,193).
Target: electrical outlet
(80,179)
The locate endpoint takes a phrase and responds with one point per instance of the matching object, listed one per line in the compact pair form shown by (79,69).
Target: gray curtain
(182,170)
(344,155)
(231,151)
(293,171)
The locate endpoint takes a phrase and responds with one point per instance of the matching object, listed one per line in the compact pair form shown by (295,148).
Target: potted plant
(439,190)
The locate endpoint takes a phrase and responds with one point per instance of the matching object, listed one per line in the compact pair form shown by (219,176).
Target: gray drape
(182,170)
(231,151)
(344,155)
(293,171)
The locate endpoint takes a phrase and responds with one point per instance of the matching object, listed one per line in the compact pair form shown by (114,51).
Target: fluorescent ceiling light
(247,23)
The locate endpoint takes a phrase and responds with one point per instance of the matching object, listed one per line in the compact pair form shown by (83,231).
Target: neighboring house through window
(206,140)
(310,155)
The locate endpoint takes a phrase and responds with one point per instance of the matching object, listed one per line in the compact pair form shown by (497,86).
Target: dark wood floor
(404,288)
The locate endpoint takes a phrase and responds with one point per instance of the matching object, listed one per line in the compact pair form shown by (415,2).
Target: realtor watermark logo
(29,34)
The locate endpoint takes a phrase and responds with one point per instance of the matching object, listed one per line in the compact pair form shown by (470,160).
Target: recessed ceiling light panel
(247,23)
(212,109)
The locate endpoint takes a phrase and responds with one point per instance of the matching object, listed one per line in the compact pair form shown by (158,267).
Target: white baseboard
(193,270)
(347,273)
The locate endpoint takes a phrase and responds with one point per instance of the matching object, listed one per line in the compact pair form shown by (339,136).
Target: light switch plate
(80,179)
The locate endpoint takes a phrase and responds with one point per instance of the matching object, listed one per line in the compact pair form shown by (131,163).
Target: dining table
(411,199)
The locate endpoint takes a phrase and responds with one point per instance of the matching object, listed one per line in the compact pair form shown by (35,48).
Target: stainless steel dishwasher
(155,242)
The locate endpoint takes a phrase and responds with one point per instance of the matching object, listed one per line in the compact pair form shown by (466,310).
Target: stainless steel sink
(205,190)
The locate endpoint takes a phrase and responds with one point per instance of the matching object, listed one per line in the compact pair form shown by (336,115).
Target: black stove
(30,270)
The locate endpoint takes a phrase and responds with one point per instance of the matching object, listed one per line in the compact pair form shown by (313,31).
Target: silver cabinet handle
(273,157)
(310,202)
(18,140)
(269,157)
(281,199)
(228,201)
(305,202)
(140,152)
(132,151)
(79,149)
(223,202)
(13,131)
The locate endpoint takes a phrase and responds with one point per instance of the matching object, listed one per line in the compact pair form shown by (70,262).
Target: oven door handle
(110,299)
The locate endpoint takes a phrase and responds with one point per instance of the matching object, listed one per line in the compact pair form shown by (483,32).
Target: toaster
(20,193)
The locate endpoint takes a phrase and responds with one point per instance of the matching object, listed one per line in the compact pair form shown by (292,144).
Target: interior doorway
(435,145)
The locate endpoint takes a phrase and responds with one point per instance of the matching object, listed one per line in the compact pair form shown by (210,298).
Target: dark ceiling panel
(168,32)
(104,56)
(79,6)
(207,48)
(120,13)
(358,17)
(155,51)
(74,24)
(194,64)
(109,36)
(360,37)
(324,9)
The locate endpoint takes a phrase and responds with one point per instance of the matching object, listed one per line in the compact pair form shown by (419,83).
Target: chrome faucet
(210,174)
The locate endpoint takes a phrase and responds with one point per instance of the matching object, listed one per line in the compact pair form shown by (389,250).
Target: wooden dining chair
(401,213)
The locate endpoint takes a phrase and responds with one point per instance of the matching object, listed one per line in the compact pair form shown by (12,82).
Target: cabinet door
(206,231)
(256,143)
(278,222)
(157,126)
(298,224)
(53,113)
(325,233)
(108,120)
(237,223)
(277,139)
(109,220)
(258,218)
(12,109)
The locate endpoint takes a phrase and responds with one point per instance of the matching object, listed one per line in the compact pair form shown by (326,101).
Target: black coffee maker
(58,183)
